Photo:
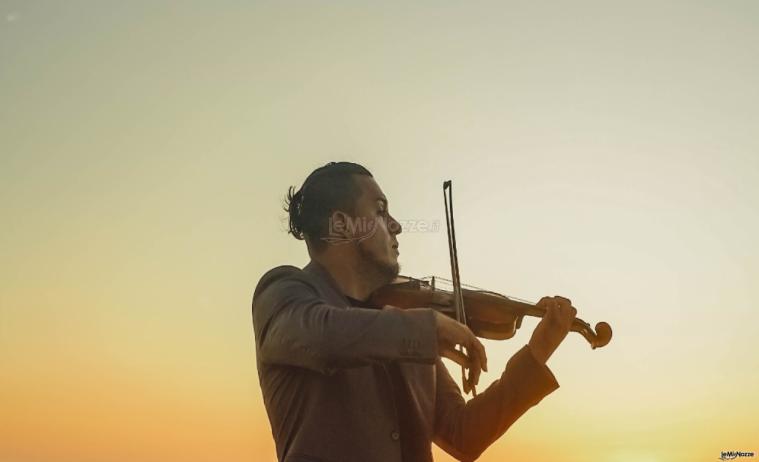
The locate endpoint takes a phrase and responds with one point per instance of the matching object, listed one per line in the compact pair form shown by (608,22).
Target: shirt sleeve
(294,326)
(466,429)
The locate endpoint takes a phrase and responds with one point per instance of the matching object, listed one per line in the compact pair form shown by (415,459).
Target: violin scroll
(601,337)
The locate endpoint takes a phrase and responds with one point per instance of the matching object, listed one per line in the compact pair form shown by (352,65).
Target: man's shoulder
(281,271)
(280,274)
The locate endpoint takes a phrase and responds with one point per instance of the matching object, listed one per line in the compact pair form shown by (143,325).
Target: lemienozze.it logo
(730,455)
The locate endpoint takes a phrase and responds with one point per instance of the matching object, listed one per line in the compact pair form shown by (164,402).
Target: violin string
(475,288)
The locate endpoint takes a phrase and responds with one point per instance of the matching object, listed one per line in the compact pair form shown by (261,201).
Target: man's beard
(378,271)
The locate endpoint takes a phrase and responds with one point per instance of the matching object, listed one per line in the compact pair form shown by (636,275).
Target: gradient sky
(605,151)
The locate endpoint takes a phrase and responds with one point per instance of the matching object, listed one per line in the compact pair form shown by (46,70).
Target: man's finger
(470,379)
(482,355)
(566,311)
(474,372)
(552,308)
(456,356)
(476,352)
(466,381)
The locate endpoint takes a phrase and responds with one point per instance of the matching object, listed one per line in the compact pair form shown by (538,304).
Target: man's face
(377,230)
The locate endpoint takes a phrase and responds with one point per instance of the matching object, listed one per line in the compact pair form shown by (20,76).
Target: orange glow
(603,152)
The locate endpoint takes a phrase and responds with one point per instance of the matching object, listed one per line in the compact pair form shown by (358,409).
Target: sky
(604,151)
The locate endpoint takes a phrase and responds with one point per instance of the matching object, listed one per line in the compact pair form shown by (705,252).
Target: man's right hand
(451,333)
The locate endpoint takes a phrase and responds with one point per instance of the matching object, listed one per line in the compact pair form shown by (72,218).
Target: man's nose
(394,226)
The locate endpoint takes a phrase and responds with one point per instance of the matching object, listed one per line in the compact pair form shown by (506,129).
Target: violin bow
(458,297)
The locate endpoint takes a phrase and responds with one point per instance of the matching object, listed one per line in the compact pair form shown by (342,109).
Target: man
(343,381)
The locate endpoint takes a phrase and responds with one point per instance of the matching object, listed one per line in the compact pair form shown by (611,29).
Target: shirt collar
(318,270)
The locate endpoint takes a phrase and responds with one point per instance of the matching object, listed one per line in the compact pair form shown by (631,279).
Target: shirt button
(395,436)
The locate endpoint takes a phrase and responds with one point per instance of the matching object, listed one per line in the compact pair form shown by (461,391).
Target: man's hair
(326,190)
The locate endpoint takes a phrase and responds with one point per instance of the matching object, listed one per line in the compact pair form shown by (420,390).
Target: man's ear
(339,225)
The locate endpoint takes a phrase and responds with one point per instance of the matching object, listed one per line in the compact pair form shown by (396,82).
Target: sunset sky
(604,151)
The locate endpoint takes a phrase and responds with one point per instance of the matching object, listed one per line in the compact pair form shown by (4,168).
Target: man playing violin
(345,381)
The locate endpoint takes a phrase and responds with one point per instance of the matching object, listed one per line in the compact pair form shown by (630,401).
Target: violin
(489,315)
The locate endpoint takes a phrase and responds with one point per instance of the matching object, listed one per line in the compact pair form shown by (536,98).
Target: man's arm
(294,326)
(466,429)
